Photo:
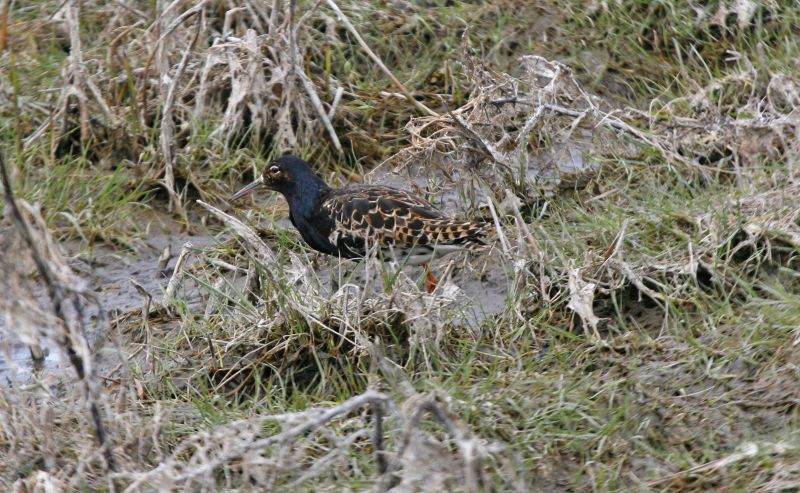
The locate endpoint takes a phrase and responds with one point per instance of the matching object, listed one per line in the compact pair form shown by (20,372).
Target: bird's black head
(289,175)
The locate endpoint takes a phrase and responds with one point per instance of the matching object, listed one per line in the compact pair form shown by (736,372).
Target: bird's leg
(430,280)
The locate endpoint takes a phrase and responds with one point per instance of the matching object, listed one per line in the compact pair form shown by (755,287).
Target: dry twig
(72,338)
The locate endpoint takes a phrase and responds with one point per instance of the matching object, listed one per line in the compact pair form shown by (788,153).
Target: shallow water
(109,272)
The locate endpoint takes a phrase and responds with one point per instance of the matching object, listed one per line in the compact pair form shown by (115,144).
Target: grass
(692,267)
(667,49)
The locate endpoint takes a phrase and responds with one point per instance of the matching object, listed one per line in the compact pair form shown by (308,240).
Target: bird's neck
(303,199)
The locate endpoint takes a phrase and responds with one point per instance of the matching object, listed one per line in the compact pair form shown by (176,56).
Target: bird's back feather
(395,220)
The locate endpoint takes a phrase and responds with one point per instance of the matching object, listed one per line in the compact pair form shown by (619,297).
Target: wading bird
(349,221)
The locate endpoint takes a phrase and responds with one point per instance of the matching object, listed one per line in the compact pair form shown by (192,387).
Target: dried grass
(176,71)
(307,446)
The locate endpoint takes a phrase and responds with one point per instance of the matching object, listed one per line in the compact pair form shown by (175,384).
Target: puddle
(456,193)
(110,273)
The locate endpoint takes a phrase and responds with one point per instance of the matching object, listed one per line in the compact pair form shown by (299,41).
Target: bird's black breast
(316,230)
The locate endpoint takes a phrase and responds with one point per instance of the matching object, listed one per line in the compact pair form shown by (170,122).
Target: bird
(349,221)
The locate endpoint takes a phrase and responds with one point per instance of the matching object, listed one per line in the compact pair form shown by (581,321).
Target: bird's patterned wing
(394,218)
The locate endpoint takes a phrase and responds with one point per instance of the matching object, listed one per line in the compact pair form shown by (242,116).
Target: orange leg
(430,280)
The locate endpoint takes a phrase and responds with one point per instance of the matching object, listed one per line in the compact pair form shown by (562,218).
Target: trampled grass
(636,330)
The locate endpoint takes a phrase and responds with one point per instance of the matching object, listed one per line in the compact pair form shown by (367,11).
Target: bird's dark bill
(248,189)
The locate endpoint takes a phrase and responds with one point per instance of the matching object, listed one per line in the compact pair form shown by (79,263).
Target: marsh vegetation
(634,327)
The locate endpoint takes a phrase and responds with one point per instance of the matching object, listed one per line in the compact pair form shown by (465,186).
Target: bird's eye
(274,170)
